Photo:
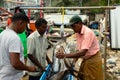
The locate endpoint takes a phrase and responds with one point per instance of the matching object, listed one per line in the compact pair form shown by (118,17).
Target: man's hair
(20,10)
(16,8)
(39,22)
(20,16)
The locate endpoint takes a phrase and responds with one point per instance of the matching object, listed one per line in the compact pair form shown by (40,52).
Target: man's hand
(59,55)
(32,69)
(42,69)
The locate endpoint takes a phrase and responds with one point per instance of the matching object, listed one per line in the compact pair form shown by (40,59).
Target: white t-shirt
(9,42)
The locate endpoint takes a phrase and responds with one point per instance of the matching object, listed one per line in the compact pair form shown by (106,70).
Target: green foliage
(70,3)
(1,3)
(104,2)
(94,3)
(64,3)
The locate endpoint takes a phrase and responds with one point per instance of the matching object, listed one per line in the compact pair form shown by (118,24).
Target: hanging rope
(62,25)
(63,12)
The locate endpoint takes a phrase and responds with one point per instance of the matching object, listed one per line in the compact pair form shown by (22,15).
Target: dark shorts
(34,77)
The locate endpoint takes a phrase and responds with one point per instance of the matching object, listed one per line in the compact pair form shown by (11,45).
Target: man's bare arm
(35,61)
(19,65)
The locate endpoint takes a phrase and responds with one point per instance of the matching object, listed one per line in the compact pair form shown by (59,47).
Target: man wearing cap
(88,49)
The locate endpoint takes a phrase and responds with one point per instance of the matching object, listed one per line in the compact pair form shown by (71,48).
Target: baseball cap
(74,19)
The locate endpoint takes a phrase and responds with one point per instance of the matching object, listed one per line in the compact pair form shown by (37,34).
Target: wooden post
(105,44)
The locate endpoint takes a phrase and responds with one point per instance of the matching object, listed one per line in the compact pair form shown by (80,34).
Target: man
(23,35)
(11,50)
(88,49)
(37,45)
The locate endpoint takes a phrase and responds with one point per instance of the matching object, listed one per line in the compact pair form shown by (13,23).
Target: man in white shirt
(37,45)
(11,50)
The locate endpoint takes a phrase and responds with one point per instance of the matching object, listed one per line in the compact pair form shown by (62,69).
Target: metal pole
(105,44)
(88,7)
(108,2)
(50,3)
(81,2)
